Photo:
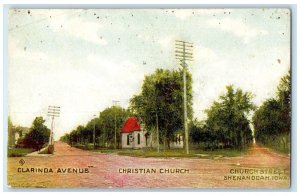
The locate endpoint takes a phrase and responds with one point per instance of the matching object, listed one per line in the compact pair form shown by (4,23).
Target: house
(16,133)
(133,135)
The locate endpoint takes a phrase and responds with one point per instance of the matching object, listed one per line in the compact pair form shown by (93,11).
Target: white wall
(134,143)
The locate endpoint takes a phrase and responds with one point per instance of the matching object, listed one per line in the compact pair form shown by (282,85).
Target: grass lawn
(18,152)
(196,153)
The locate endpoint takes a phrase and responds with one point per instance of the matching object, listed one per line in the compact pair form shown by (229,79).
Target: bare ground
(266,169)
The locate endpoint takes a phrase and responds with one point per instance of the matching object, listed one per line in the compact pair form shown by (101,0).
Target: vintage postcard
(149,98)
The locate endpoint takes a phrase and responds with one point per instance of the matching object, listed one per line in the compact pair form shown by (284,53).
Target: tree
(162,95)
(196,132)
(284,99)
(74,137)
(104,126)
(11,133)
(266,120)
(66,138)
(272,121)
(227,118)
(38,134)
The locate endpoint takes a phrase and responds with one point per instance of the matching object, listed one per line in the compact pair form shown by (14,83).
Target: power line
(53,111)
(183,52)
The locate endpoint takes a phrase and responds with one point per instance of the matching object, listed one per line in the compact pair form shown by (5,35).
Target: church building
(133,135)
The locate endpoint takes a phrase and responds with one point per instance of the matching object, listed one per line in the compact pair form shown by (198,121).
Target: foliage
(202,136)
(104,127)
(11,133)
(284,98)
(227,124)
(162,95)
(272,121)
(65,138)
(38,135)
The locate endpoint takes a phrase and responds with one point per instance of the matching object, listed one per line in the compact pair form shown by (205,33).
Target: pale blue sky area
(81,60)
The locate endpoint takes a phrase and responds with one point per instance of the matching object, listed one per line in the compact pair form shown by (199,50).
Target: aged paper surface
(149,98)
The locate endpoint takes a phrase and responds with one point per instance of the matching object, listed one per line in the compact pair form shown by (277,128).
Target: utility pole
(184,53)
(115,103)
(94,132)
(53,111)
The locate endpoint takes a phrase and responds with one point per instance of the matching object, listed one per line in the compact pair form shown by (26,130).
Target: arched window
(127,139)
(139,138)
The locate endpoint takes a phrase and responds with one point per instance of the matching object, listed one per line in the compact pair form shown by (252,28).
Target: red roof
(131,124)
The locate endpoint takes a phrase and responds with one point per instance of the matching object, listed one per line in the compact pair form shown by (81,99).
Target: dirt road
(71,167)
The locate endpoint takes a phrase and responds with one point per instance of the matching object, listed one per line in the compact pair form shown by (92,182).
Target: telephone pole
(184,53)
(53,111)
(115,103)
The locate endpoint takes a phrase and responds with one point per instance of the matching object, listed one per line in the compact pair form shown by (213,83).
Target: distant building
(16,133)
(133,135)
(17,136)
(177,141)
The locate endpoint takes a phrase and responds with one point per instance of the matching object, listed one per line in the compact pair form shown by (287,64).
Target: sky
(83,59)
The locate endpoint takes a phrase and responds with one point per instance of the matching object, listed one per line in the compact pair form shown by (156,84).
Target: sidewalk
(36,153)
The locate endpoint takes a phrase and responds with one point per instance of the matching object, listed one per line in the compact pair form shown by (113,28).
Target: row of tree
(106,125)
(272,121)
(160,103)
(227,123)
(161,98)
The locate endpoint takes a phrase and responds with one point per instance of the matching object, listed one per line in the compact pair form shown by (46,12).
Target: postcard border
(293,10)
